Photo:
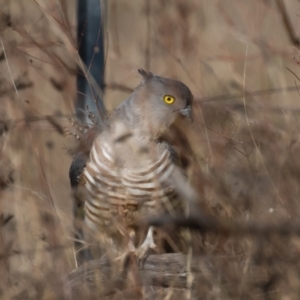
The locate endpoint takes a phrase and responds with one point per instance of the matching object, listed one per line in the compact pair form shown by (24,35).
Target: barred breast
(127,181)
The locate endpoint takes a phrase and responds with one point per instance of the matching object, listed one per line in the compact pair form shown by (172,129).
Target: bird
(125,168)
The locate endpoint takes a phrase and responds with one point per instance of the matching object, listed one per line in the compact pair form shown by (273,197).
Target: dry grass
(239,58)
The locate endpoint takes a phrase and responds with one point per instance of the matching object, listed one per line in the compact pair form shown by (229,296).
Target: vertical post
(91,50)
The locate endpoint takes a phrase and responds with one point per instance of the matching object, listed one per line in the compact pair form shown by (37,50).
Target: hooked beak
(187,112)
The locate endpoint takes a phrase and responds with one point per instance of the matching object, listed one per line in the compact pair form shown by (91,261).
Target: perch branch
(165,270)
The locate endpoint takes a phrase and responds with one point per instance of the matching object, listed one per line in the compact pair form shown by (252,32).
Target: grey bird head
(161,100)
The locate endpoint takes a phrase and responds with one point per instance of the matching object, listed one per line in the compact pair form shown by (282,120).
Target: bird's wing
(76,169)
(82,154)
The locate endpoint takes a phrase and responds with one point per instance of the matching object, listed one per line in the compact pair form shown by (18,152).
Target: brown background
(218,48)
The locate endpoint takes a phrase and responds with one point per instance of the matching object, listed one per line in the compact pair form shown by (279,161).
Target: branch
(287,23)
(210,224)
(165,270)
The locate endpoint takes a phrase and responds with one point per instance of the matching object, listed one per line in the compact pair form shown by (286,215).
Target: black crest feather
(146,75)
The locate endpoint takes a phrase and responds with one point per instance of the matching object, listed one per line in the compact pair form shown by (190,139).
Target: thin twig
(287,23)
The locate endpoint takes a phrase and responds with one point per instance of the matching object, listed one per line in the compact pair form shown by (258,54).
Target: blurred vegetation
(241,61)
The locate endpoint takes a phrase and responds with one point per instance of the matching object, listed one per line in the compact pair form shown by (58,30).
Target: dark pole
(91,50)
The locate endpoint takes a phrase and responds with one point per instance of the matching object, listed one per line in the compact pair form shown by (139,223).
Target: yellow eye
(169,99)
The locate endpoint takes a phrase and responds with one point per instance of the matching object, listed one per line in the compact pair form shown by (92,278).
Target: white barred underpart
(110,188)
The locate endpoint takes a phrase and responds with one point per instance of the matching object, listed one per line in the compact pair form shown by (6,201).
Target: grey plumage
(128,174)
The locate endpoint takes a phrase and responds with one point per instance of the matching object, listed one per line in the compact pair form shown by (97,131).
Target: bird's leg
(125,257)
(149,241)
(145,249)
(131,246)
(141,253)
